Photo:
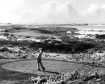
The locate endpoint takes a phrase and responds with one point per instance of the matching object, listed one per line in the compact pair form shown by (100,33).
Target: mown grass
(13,77)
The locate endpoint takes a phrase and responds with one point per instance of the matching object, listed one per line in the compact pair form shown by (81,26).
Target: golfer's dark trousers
(40,64)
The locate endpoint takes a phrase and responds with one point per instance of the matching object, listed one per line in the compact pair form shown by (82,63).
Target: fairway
(52,67)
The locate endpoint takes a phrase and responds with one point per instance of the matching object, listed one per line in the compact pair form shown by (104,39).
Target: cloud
(54,12)
(94,14)
(59,12)
(16,11)
(7,10)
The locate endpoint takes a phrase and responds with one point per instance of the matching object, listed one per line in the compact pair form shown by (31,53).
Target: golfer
(39,58)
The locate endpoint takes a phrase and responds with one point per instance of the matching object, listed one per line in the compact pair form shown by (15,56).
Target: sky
(52,11)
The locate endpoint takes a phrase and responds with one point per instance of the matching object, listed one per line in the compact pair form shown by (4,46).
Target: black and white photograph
(52,41)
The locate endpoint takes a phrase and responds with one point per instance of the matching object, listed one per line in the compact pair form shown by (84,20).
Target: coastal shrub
(62,47)
(100,36)
(42,37)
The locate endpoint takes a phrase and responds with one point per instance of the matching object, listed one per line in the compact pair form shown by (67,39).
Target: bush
(65,38)
(42,37)
(100,36)
(73,47)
